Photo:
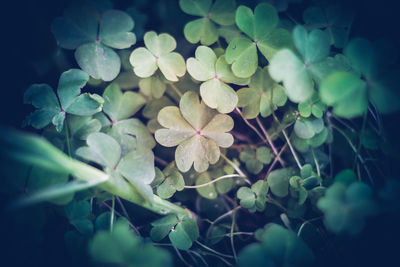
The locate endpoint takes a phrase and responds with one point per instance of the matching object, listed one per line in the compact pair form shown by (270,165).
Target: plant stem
(231,234)
(275,160)
(214,181)
(292,149)
(237,169)
(67,138)
(316,162)
(270,141)
(112,213)
(251,125)
(213,251)
(173,86)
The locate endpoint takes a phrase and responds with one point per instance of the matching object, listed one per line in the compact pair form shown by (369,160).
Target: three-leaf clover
(204,29)
(133,169)
(346,204)
(93,38)
(299,185)
(260,27)
(158,55)
(307,128)
(197,130)
(254,198)
(70,100)
(215,73)
(312,106)
(255,159)
(335,20)
(182,231)
(169,181)
(296,73)
(349,94)
(263,95)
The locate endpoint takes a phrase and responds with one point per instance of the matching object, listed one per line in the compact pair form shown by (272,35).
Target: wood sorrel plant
(235,148)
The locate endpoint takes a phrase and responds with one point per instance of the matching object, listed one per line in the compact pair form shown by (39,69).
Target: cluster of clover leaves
(249,68)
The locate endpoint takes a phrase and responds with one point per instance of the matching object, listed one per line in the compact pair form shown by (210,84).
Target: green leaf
(197,130)
(206,191)
(103,221)
(80,127)
(102,149)
(184,233)
(264,155)
(307,128)
(346,93)
(263,95)
(215,74)
(72,102)
(287,67)
(78,26)
(201,30)
(278,181)
(158,55)
(114,29)
(99,61)
(254,255)
(119,106)
(345,207)
(242,54)
(152,86)
(247,197)
(122,247)
(172,182)
(162,227)
(195,7)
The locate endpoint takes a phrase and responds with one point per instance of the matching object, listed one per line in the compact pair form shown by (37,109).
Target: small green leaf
(278,181)
(118,105)
(184,233)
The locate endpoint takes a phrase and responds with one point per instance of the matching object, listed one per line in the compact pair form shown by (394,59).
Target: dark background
(26,40)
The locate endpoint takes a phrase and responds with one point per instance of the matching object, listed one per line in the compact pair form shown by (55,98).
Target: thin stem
(112,213)
(214,181)
(270,141)
(226,214)
(364,122)
(181,257)
(173,86)
(161,161)
(316,162)
(213,251)
(251,125)
(292,149)
(231,235)
(67,138)
(275,160)
(237,169)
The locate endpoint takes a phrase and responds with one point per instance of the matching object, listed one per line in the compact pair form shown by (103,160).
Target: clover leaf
(204,29)
(151,110)
(263,95)
(303,145)
(279,247)
(307,128)
(182,232)
(94,39)
(118,105)
(77,212)
(70,100)
(312,106)
(158,55)
(278,181)
(134,169)
(153,86)
(212,190)
(346,204)
(197,130)
(81,126)
(171,182)
(254,198)
(255,159)
(296,73)
(335,20)
(260,27)
(216,74)
(123,248)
